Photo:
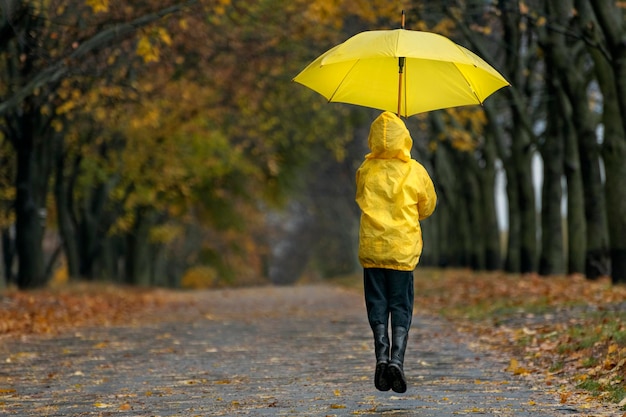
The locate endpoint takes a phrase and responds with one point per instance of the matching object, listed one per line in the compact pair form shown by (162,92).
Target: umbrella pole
(400,73)
(401,61)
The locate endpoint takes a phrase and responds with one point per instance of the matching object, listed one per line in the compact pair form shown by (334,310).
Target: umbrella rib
(465,78)
(469,84)
(330,99)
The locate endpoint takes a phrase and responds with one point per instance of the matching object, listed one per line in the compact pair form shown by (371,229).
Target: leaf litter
(564,334)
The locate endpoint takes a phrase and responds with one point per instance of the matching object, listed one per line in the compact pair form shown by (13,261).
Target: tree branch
(62,67)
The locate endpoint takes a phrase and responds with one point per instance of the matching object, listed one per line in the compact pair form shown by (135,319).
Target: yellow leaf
(98,5)
(337,393)
(146,50)
(337,406)
(164,36)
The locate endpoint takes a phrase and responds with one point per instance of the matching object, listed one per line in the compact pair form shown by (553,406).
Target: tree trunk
(551,261)
(8,254)
(596,259)
(512,261)
(564,58)
(614,155)
(613,85)
(522,247)
(491,229)
(522,161)
(90,229)
(474,203)
(67,229)
(576,223)
(139,250)
(30,213)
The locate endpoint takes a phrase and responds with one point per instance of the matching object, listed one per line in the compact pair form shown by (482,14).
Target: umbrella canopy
(403,71)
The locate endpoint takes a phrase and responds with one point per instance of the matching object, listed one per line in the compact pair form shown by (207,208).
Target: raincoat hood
(389,138)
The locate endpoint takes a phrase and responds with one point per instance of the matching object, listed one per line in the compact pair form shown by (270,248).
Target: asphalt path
(275,351)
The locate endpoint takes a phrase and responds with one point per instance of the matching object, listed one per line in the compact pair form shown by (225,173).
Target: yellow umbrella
(403,71)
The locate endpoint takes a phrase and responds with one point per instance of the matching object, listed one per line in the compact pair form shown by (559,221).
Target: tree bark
(576,223)
(92,230)
(8,254)
(522,246)
(139,249)
(473,201)
(551,261)
(526,201)
(67,229)
(612,79)
(30,211)
(491,229)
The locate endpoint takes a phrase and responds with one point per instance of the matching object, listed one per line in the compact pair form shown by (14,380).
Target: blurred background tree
(164,143)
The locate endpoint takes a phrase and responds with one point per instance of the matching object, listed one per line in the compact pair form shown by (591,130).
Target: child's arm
(427,197)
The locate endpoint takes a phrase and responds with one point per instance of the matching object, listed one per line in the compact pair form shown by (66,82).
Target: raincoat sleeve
(427,197)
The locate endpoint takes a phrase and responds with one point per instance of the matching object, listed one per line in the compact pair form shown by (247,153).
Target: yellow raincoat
(394,192)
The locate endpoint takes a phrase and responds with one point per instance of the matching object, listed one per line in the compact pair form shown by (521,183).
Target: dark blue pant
(388,293)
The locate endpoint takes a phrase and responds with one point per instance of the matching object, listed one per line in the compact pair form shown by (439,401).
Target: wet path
(286,351)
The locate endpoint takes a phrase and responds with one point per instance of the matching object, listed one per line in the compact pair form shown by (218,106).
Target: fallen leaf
(6,391)
(515,368)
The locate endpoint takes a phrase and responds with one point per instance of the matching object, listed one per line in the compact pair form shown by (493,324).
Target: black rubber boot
(381,348)
(395,370)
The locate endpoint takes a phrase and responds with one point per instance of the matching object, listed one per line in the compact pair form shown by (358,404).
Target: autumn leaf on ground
(515,368)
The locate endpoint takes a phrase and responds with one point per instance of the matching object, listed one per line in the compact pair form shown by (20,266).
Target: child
(394,192)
